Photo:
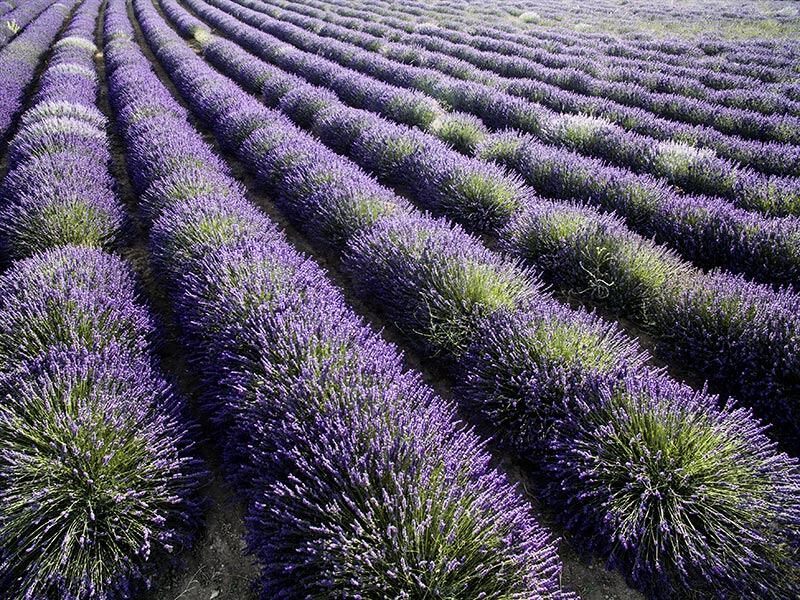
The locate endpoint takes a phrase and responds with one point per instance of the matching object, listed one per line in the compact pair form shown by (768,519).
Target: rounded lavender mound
(97,486)
(433,279)
(194,227)
(677,492)
(59,134)
(75,296)
(694,496)
(56,200)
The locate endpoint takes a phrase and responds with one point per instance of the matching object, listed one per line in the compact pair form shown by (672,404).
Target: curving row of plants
(20,59)
(693,169)
(653,476)
(743,336)
(763,59)
(426,45)
(552,50)
(543,76)
(98,480)
(746,123)
(717,87)
(358,480)
(758,58)
(58,190)
(705,62)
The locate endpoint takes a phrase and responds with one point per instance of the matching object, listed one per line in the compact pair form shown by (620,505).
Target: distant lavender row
(469,13)
(670,56)
(765,59)
(98,486)
(487,319)
(757,58)
(323,429)
(631,70)
(618,85)
(706,230)
(747,123)
(694,169)
(769,157)
(738,92)
(375,19)
(21,57)
(694,82)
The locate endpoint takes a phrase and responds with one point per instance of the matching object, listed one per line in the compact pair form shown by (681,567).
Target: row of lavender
(694,81)
(707,61)
(358,481)
(766,59)
(693,169)
(748,152)
(743,336)
(606,77)
(19,17)
(558,387)
(614,85)
(774,52)
(19,61)
(736,91)
(98,485)
(708,231)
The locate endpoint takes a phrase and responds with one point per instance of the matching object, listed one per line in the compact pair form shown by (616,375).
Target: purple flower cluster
(20,59)
(529,366)
(706,230)
(395,103)
(98,480)
(716,61)
(58,190)
(700,83)
(358,480)
(521,59)
(735,121)
(704,173)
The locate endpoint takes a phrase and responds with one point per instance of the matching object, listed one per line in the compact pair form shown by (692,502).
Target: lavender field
(383,300)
